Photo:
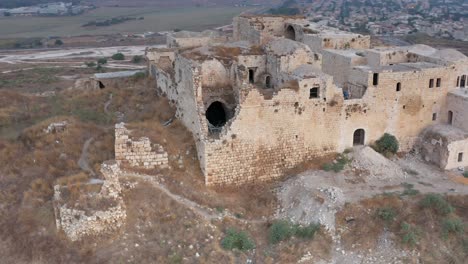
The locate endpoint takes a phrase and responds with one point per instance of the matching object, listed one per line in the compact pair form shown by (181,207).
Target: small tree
(90,64)
(118,56)
(387,145)
(237,240)
(137,59)
(58,42)
(102,61)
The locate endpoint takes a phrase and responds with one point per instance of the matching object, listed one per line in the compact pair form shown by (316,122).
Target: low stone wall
(138,153)
(77,223)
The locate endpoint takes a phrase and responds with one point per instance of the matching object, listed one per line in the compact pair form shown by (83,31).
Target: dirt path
(83,161)
(206,213)
(106,105)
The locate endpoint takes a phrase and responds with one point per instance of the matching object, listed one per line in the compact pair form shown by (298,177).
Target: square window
(460,157)
(434,116)
(314,92)
(438,82)
(431,83)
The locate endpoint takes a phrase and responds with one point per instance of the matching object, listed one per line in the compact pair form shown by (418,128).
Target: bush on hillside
(387,145)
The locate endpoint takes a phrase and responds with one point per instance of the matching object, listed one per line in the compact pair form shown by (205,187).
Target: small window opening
(101,85)
(431,83)
(398,87)
(375,79)
(268,82)
(460,157)
(251,75)
(458,81)
(463,81)
(450,117)
(314,93)
(434,116)
(438,82)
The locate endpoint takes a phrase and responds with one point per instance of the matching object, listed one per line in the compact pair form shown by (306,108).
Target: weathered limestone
(56,127)
(138,153)
(273,100)
(77,222)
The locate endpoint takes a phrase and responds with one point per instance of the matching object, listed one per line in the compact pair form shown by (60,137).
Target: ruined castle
(282,90)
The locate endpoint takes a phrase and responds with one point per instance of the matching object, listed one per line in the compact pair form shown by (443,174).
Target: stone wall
(77,222)
(139,153)
(443,145)
(457,103)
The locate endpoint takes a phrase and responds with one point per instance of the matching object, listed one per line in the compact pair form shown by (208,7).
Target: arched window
(398,87)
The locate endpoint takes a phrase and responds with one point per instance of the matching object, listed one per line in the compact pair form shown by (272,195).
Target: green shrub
(437,203)
(409,191)
(283,230)
(409,234)
(137,59)
(465,174)
(118,56)
(454,226)
(387,214)
(279,231)
(90,64)
(139,75)
(307,232)
(387,145)
(237,240)
(102,61)
(338,165)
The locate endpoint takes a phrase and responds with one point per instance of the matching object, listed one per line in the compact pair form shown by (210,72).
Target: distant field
(461,46)
(156,19)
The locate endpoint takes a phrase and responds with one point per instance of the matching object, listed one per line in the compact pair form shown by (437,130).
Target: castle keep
(283,90)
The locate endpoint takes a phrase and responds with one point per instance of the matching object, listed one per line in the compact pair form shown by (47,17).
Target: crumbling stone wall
(138,153)
(78,223)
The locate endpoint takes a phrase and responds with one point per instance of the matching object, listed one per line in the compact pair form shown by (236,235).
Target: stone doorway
(359,137)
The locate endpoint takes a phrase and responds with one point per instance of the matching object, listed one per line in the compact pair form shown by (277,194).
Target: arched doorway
(268,81)
(450,117)
(290,33)
(216,114)
(359,137)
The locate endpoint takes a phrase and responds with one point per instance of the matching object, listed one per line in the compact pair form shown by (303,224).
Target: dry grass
(367,226)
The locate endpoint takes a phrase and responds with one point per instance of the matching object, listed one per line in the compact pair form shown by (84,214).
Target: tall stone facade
(273,100)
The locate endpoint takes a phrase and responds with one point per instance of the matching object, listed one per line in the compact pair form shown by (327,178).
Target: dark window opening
(251,75)
(101,85)
(434,116)
(463,81)
(431,83)
(290,33)
(460,157)
(268,82)
(216,115)
(358,137)
(458,81)
(314,92)
(398,87)
(375,79)
(450,117)
(438,82)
